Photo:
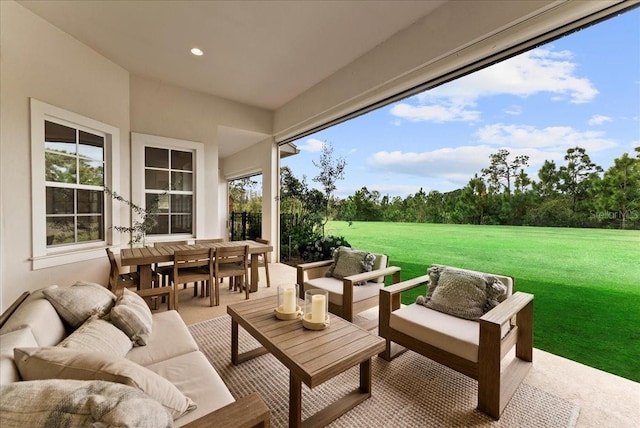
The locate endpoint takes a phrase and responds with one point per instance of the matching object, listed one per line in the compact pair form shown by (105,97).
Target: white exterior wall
(37,60)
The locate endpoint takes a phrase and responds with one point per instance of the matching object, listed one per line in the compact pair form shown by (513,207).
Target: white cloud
(513,110)
(541,70)
(555,138)
(599,119)
(311,145)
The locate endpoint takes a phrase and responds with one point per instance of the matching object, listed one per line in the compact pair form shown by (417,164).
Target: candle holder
(288,308)
(316,309)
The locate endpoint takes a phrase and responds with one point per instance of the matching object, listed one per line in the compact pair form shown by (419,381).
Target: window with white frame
(167,178)
(72,162)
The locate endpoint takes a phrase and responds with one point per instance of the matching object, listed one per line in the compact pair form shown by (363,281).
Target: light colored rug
(411,391)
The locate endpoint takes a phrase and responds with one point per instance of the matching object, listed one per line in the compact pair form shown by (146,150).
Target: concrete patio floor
(605,400)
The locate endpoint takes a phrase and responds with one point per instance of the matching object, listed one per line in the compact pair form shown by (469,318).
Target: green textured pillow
(352,262)
(76,403)
(458,292)
(77,303)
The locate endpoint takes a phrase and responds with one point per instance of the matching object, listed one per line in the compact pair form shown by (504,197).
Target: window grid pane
(170,171)
(74,173)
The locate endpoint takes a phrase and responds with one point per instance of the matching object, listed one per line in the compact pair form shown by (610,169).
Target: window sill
(68,257)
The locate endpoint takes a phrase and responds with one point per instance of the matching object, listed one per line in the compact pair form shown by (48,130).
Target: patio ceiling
(261,53)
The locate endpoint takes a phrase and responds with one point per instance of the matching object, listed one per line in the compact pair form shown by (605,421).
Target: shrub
(321,248)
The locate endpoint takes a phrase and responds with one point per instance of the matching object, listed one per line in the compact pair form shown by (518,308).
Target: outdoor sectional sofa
(33,325)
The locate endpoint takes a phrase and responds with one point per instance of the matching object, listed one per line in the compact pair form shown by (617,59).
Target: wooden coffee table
(312,357)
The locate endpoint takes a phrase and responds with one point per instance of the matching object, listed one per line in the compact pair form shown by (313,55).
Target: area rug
(411,391)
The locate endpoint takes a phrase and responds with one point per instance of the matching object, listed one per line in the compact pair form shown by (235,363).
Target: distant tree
(243,191)
(578,175)
(549,180)
(331,170)
(619,193)
(501,170)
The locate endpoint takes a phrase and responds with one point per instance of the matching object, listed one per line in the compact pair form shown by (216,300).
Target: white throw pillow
(75,304)
(132,315)
(97,335)
(64,363)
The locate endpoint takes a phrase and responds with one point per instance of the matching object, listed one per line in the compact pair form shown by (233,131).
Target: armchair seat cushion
(455,335)
(335,288)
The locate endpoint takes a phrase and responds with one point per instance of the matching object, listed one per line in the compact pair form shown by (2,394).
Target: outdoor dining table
(145,257)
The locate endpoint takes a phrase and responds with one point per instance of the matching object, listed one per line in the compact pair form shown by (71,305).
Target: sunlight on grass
(586,282)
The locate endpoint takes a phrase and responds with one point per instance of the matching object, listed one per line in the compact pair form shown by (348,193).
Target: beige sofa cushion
(97,335)
(335,288)
(75,403)
(132,315)
(37,313)
(169,338)
(193,375)
(8,341)
(63,363)
(78,302)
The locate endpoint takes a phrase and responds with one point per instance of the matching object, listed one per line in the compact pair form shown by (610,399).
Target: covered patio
(271,72)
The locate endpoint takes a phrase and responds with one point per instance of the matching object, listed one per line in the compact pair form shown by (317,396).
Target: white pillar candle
(318,308)
(289,300)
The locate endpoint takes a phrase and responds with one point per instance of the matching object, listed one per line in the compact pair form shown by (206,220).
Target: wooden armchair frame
(495,386)
(349,308)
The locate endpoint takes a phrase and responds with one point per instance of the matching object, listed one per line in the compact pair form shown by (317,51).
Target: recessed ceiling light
(197,52)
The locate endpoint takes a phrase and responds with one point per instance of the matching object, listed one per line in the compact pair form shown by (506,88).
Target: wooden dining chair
(205,290)
(193,266)
(164,269)
(118,281)
(232,262)
(263,260)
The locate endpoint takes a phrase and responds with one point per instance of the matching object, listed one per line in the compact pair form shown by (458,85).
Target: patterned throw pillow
(97,335)
(63,363)
(349,262)
(132,315)
(77,303)
(77,403)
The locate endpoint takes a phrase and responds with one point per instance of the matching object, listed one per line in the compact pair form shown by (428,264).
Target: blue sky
(581,90)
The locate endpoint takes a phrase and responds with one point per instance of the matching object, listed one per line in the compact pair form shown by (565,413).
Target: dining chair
(192,266)
(205,290)
(164,269)
(118,281)
(232,262)
(263,260)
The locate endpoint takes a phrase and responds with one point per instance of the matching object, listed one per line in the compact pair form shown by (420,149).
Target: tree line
(577,193)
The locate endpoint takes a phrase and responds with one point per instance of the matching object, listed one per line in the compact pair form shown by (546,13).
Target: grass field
(586,282)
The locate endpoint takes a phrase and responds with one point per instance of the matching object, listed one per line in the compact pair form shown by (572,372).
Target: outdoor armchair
(475,348)
(352,294)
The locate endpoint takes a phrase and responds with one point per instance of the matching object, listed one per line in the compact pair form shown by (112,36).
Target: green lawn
(586,282)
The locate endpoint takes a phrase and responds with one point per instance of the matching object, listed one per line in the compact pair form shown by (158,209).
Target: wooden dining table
(145,257)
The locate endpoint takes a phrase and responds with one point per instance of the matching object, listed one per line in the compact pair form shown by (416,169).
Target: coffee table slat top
(314,356)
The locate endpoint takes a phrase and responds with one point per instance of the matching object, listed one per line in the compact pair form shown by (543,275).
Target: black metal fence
(245,225)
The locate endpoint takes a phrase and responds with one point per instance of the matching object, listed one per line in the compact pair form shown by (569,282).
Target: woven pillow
(97,335)
(63,363)
(351,262)
(77,303)
(132,315)
(76,403)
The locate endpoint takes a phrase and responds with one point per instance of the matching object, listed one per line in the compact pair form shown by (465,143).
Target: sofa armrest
(312,269)
(246,412)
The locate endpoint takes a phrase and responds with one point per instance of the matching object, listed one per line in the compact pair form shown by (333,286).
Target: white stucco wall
(40,61)
(169,111)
